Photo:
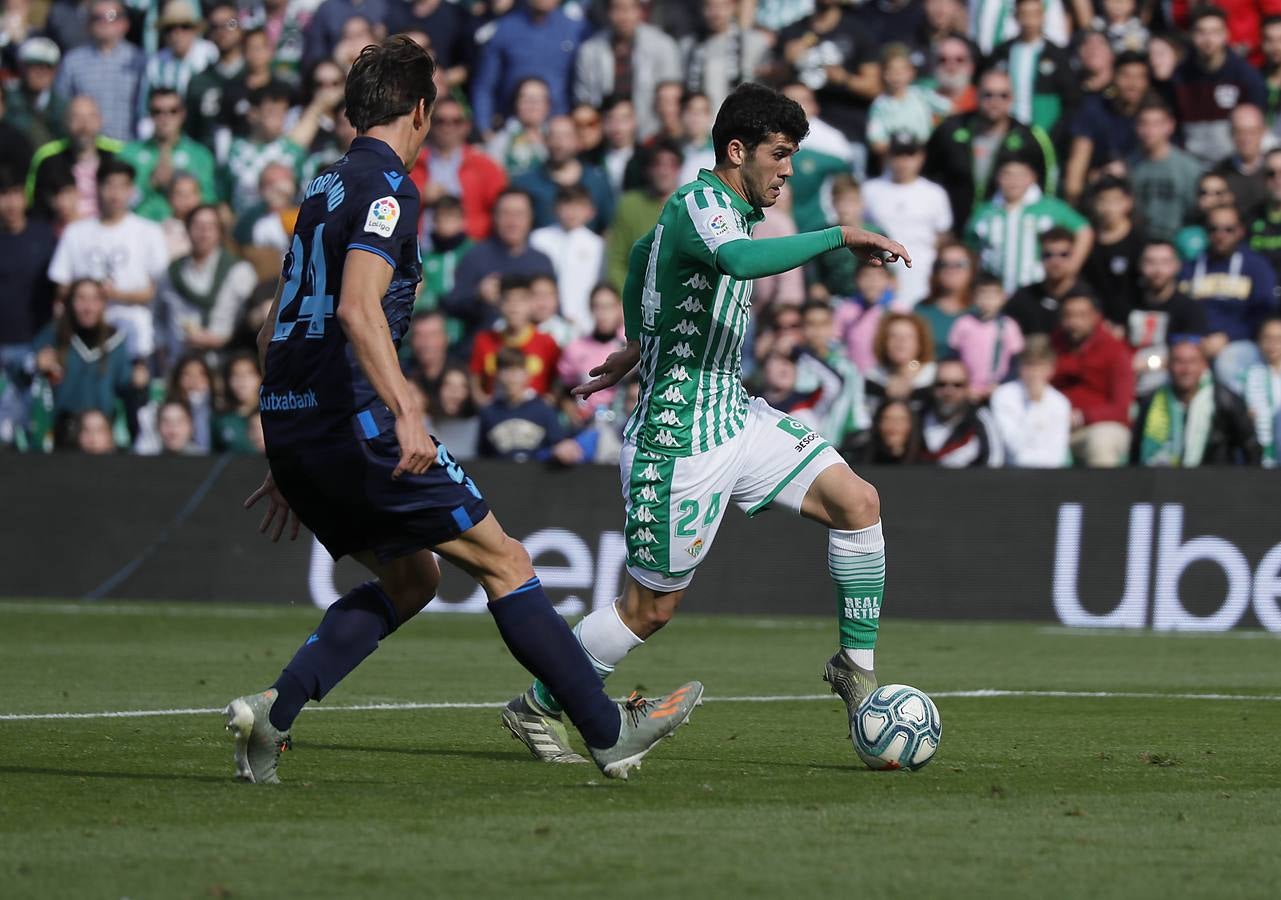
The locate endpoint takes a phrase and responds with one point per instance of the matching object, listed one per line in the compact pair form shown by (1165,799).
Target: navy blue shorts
(345,494)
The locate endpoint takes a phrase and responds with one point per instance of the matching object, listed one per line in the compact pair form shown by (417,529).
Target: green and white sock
(856,561)
(605,639)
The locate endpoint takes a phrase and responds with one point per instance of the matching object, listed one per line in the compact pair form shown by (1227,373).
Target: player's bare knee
(507,570)
(858,506)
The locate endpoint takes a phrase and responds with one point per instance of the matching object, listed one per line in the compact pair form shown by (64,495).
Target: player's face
(767,169)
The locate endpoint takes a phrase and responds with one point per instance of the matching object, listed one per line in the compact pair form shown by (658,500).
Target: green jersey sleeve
(634,286)
(771,256)
(1064,215)
(710,224)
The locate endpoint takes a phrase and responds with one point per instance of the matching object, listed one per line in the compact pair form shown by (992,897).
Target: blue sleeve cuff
(355,246)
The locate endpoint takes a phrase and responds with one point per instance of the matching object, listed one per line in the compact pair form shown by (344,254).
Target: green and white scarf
(1173,436)
(1264,402)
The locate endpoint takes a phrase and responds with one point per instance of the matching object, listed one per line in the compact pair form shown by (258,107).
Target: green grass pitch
(1029,796)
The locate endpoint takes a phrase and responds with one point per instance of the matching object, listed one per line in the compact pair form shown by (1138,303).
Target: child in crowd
(858,317)
(585,353)
(518,424)
(544,310)
(985,340)
(577,253)
(516,331)
(1122,27)
(902,107)
(449,242)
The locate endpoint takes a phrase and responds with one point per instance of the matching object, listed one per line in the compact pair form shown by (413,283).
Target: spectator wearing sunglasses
(1265,230)
(966,151)
(956,434)
(184,55)
(1036,307)
(1237,289)
(168,152)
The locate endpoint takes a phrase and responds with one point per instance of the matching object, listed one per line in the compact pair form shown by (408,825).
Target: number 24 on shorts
(689,515)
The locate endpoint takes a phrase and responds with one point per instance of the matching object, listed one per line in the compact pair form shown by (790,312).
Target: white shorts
(675,503)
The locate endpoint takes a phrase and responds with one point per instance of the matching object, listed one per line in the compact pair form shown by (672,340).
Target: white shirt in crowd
(131,253)
(578,257)
(914,214)
(1034,433)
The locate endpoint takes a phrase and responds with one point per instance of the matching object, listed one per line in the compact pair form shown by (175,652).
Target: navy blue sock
(350,631)
(542,643)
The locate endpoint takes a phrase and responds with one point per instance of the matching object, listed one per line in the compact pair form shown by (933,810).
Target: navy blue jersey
(314,392)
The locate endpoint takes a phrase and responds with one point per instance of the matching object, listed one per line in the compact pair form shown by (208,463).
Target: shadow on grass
(501,756)
(81,773)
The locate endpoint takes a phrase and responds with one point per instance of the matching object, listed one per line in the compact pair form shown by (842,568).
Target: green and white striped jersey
(694,321)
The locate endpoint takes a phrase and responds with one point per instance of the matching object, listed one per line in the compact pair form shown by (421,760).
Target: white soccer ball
(897,727)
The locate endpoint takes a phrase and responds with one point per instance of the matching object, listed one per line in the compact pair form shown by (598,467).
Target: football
(897,727)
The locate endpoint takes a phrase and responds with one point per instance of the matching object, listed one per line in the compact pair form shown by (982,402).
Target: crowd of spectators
(1090,189)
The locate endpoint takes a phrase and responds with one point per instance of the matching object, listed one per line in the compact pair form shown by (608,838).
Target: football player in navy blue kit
(350,458)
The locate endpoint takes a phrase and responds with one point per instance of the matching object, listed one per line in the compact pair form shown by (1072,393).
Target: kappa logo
(384,213)
(648,494)
(644,514)
(666,438)
(678,373)
(697,282)
(686,327)
(644,555)
(681,349)
(644,536)
(650,473)
(673,394)
(691,304)
(668,417)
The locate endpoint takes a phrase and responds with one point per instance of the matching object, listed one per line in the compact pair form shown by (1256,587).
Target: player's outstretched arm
(613,370)
(619,363)
(747,259)
(364,282)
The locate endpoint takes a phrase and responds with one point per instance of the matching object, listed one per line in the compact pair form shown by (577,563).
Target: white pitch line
(982,694)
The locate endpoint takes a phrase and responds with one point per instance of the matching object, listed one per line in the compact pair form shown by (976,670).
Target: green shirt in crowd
(187,156)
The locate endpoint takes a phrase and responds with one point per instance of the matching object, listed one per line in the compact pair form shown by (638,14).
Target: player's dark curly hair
(387,81)
(751,113)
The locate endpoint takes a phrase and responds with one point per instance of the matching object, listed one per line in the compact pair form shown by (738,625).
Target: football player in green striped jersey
(696,442)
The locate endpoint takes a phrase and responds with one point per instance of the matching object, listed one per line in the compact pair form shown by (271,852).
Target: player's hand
(874,249)
(278,516)
(613,370)
(417,449)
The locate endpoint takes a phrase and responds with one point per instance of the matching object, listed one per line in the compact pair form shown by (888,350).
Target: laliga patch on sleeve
(384,213)
(718,224)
